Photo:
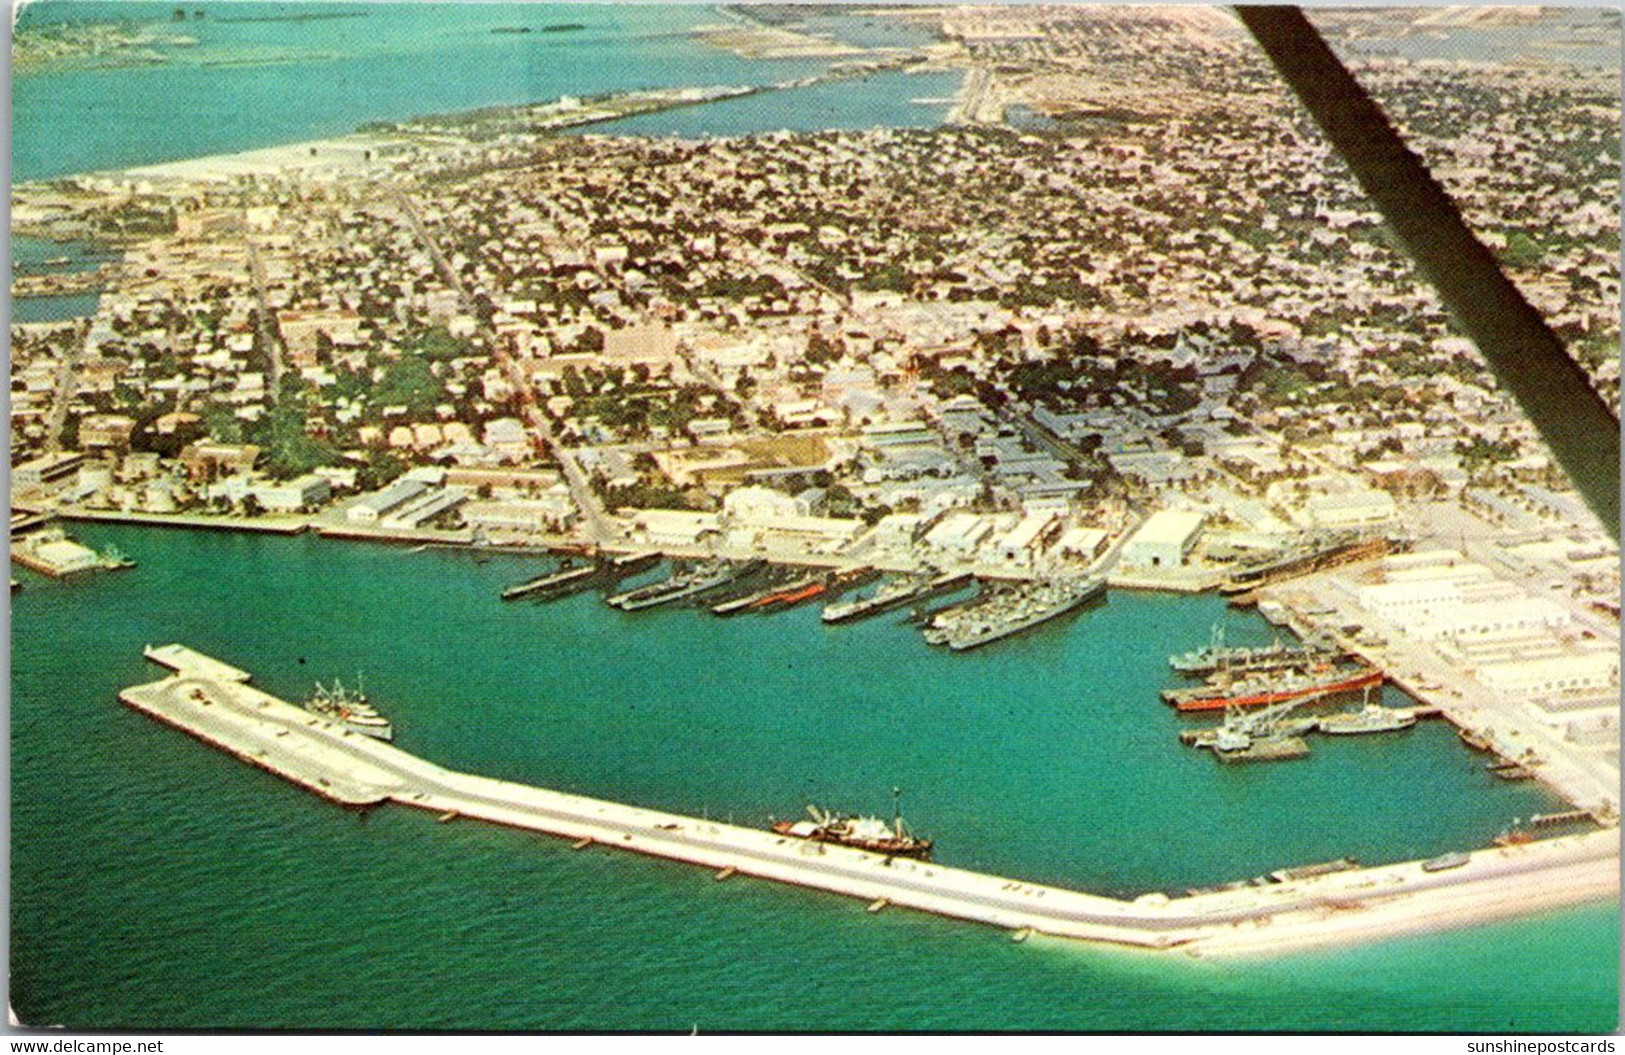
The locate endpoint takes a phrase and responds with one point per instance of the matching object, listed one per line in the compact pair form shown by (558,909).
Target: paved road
(601,528)
(270,333)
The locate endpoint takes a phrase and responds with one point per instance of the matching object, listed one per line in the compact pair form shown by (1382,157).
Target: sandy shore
(319,158)
(765,42)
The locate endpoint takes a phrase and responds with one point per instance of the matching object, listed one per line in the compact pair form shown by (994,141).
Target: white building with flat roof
(293,496)
(376,505)
(1026,542)
(1587,672)
(959,534)
(677,527)
(1164,540)
(1082,543)
(1365,507)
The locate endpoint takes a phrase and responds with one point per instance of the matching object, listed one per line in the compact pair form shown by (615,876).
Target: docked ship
(554,584)
(1217,656)
(895,594)
(793,593)
(1005,615)
(1313,555)
(1241,726)
(699,579)
(803,590)
(862,833)
(573,578)
(1262,690)
(351,710)
(1372,718)
(1273,734)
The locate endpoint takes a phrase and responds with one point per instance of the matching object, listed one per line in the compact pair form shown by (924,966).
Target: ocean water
(158,882)
(256,83)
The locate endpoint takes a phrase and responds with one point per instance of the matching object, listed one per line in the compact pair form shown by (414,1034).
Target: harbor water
(41,256)
(227,90)
(159,882)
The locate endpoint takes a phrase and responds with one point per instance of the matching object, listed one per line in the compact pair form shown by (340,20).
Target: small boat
(1372,718)
(1323,868)
(1476,741)
(1266,749)
(1513,836)
(1445,862)
(862,833)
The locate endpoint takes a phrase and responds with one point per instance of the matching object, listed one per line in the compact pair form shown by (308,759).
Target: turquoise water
(35,256)
(231,91)
(38,256)
(54,308)
(158,882)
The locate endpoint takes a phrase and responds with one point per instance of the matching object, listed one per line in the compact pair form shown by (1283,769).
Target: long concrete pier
(351,769)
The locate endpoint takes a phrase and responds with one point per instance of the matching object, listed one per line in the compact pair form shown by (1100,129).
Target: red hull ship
(803,591)
(1255,694)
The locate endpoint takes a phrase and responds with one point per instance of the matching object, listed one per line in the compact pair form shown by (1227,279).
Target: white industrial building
(1365,507)
(959,534)
(1439,594)
(756,504)
(1587,672)
(293,496)
(1164,540)
(1026,542)
(549,512)
(1082,543)
(412,515)
(371,508)
(674,527)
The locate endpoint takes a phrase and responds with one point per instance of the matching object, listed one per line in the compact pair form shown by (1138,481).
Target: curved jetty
(323,757)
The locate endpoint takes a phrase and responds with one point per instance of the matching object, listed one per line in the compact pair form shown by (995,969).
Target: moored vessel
(862,833)
(682,585)
(1372,718)
(351,710)
(1262,690)
(1217,656)
(895,594)
(566,579)
(1005,614)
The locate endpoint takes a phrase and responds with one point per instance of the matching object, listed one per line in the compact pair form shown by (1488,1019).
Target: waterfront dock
(324,758)
(269,525)
(183,660)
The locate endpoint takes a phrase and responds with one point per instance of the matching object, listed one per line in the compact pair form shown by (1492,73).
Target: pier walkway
(354,770)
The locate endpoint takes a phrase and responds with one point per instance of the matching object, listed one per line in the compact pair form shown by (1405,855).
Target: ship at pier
(351,710)
(862,833)
(682,585)
(1005,614)
(1216,657)
(895,593)
(1315,554)
(1262,690)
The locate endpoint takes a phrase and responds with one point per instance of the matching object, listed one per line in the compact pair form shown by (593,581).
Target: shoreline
(1334,908)
(1566,781)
